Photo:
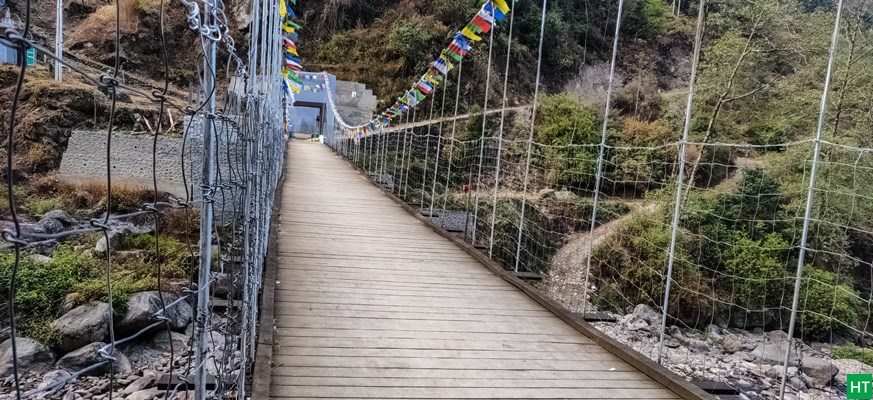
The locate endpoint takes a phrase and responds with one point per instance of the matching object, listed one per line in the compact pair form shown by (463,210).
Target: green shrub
(569,132)
(174,255)
(40,329)
(123,286)
(826,304)
(757,270)
(40,287)
(634,262)
(853,352)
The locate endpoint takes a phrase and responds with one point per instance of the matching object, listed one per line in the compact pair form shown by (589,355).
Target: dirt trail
(566,277)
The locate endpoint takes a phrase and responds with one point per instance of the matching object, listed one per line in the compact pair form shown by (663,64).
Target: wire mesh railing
(238,138)
(736,262)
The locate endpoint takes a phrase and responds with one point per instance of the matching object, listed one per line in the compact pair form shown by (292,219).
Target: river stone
(61,216)
(731,345)
(142,307)
(116,236)
(161,342)
(53,378)
(32,356)
(89,355)
(82,325)
(43,247)
(820,371)
(145,382)
(147,394)
(646,313)
(774,353)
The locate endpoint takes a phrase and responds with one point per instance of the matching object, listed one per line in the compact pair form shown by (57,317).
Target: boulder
(147,394)
(731,345)
(116,236)
(797,383)
(32,356)
(161,342)
(89,355)
(82,325)
(819,371)
(60,216)
(142,307)
(50,225)
(148,380)
(69,303)
(774,353)
(55,379)
(714,332)
(44,247)
(646,313)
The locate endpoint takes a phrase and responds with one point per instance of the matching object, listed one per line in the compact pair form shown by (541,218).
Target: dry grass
(100,26)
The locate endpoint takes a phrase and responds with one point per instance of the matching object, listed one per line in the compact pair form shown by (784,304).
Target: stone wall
(355,103)
(131,159)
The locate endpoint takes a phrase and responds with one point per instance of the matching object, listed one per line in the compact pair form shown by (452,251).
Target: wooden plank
(591,353)
(433,363)
(370,333)
(341,392)
(290,374)
(434,344)
(414,315)
(626,380)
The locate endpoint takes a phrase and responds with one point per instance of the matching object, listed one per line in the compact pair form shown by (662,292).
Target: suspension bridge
(401,257)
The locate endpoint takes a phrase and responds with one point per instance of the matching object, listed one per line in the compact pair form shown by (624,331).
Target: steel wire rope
(159,127)
(438,149)
(10,197)
(683,145)
(484,126)
(426,154)
(531,136)
(601,149)
(822,116)
(452,141)
(500,133)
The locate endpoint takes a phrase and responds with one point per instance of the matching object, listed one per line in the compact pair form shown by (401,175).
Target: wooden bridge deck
(371,303)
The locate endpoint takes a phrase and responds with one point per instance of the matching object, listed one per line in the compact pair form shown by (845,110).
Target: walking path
(371,303)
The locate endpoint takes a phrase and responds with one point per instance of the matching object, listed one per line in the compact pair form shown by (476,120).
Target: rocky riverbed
(749,361)
(139,363)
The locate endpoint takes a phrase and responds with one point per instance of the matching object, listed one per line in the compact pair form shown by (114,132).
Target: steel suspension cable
(500,134)
(807,214)
(683,146)
(438,149)
(533,122)
(601,149)
(484,127)
(452,138)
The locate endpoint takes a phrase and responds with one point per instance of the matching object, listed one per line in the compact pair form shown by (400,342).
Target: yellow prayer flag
(501,5)
(470,35)
(288,28)
(292,50)
(283,10)
(431,79)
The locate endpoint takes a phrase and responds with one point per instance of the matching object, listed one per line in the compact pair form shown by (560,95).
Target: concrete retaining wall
(131,160)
